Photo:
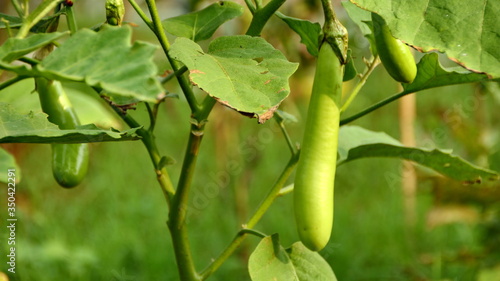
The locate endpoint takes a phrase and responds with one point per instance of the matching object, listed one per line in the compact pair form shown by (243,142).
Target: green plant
(250,76)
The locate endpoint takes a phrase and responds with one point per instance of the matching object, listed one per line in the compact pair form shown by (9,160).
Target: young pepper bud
(115,10)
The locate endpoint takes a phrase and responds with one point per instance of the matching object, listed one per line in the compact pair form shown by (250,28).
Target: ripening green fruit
(314,180)
(69,161)
(394,54)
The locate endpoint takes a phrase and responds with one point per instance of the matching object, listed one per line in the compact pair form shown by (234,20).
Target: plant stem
(44,8)
(281,123)
(18,8)
(329,12)
(26,7)
(266,203)
(261,16)
(252,232)
(30,61)
(141,14)
(150,144)
(157,26)
(285,190)
(238,239)
(71,20)
(12,81)
(258,4)
(334,32)
(250,6)
(373,107)
(177,73)
(178,211)
(360,84)
(152,113)
(162,38)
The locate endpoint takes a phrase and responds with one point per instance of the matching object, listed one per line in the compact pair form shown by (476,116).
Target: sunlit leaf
(356,143)
(201,25)
(468,32)
(107,60)
(242,72)
(35,128)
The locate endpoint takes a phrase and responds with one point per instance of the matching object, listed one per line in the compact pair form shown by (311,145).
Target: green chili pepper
(394,54)
(69,161)
(314,181)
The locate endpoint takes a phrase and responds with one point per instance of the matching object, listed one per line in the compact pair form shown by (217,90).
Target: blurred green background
(113,226)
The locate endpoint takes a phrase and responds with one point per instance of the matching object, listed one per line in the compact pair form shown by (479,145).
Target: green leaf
(270,261)
(358,16)
(11,21)
(309,265)
(362,19)
(356,142)
(309,32)
(39,27)
(166,161)
(202,24)
(350,69)
(7,161)
(286,117)
(242,72)
(494,157)
(431,74)
(106,60)
(466,31)
(35,128)
(15,48)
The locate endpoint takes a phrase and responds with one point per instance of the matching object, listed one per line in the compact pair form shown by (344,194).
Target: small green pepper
(69,161)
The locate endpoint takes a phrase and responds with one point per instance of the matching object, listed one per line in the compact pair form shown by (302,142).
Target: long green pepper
(314,181)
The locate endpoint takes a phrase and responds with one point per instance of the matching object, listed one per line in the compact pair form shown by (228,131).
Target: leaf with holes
(242,72)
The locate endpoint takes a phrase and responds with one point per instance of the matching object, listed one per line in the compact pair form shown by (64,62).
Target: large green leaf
(431,74)
(107,60)
(356,142)
(35,128)
(270,261)
(468,32)
(201,25)
(7,161)
(242,72)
